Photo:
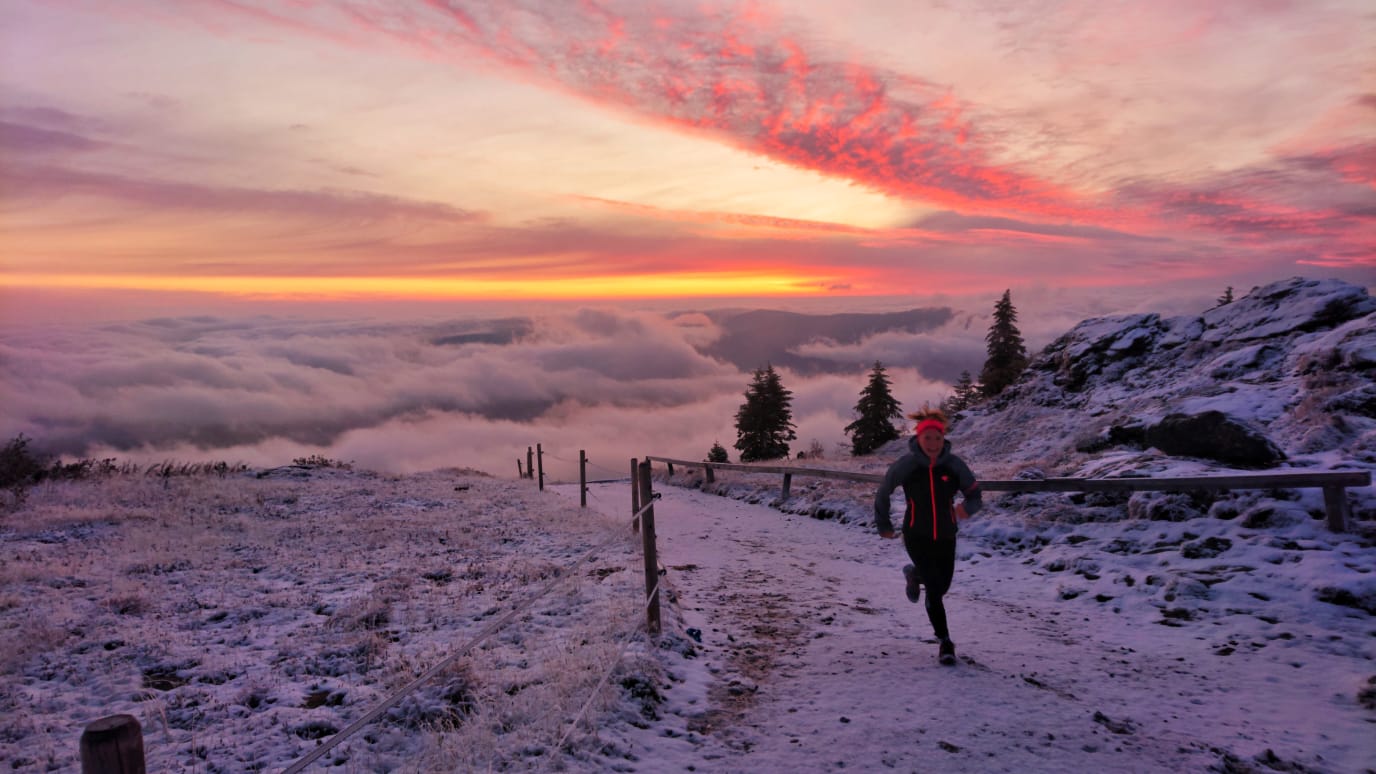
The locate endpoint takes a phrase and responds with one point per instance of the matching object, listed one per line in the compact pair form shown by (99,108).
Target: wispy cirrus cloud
(954,222)
(738,73)
(36,140)
(46,180)
(778,227)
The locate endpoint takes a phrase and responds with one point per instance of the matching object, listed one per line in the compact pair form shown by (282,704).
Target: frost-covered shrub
(1360,596)
(321,461)
(1186,588)
(442,706)
(19,467)
(1162,506)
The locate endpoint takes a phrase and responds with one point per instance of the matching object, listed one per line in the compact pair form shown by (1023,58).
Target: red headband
(931,424)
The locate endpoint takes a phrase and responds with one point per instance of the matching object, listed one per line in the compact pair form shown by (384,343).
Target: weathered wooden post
(540,465)
(635,495)
(112,745)
(530,462)
(648,541)
(1335,502)
(788,482)
(519,472)
(582,478)
(710,477)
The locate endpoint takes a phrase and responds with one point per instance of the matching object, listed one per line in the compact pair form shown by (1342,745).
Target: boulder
(1216,436)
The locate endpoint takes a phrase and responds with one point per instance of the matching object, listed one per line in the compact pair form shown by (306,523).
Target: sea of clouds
(406,396)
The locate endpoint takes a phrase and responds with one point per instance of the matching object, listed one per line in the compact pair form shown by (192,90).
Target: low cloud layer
(408,396)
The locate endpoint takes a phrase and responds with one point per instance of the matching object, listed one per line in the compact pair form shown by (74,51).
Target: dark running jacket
(929,488)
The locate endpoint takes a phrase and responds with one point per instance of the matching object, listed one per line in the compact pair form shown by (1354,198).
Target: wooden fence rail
(1333,483)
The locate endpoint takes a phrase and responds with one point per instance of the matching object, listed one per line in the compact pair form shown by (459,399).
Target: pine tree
(965,393)
(1007,354)
(764,423)
(873,426)
(1226,298)
(718,453)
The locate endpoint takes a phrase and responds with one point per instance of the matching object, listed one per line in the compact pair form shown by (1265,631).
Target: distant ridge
(752,339)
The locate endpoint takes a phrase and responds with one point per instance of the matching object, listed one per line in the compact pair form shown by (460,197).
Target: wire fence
(626,640)
(617,475)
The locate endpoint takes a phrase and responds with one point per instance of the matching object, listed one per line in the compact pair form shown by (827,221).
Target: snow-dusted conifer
(875,412)
(764,423)
(1007,353)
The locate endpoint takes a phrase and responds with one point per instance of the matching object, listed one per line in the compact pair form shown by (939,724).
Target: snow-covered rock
(1288,367)
(1212,435)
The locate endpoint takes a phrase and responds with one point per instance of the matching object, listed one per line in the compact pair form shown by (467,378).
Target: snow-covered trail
(814,660)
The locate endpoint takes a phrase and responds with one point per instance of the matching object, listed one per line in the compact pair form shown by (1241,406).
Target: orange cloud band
(558,288)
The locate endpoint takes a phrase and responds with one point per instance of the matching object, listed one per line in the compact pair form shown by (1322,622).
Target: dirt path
(819,663)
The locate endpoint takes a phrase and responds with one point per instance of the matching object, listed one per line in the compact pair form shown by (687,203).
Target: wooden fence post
(540,465)
(530,462)
(635,495)
(711,478)
(648,540)
(788,482)
(520,473)
(112,745)
(1335,502)
(582,478)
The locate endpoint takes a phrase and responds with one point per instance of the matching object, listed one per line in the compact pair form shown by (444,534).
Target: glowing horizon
(624,286)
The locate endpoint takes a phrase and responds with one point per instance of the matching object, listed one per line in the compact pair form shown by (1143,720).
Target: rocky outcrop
(1284,375)
(1215,436)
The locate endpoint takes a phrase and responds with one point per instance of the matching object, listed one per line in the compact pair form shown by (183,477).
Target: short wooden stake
(582,478)
(112,745)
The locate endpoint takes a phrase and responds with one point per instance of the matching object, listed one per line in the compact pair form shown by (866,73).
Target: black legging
(935,561)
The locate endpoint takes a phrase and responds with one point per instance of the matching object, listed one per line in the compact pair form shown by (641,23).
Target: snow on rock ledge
(1290,368)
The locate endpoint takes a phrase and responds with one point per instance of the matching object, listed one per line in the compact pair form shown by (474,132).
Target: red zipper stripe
(931,489)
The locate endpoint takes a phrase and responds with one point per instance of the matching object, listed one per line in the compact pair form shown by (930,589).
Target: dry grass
(223,609)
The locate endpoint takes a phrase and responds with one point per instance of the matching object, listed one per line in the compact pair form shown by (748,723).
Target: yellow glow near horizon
(736,283)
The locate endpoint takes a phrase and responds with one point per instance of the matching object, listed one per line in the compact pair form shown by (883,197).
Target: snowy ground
(813,660)
(245,620)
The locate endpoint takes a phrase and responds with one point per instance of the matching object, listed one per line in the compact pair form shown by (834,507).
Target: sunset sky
(525,150)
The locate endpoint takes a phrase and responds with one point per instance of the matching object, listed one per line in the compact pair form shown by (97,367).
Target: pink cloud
(739,73)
